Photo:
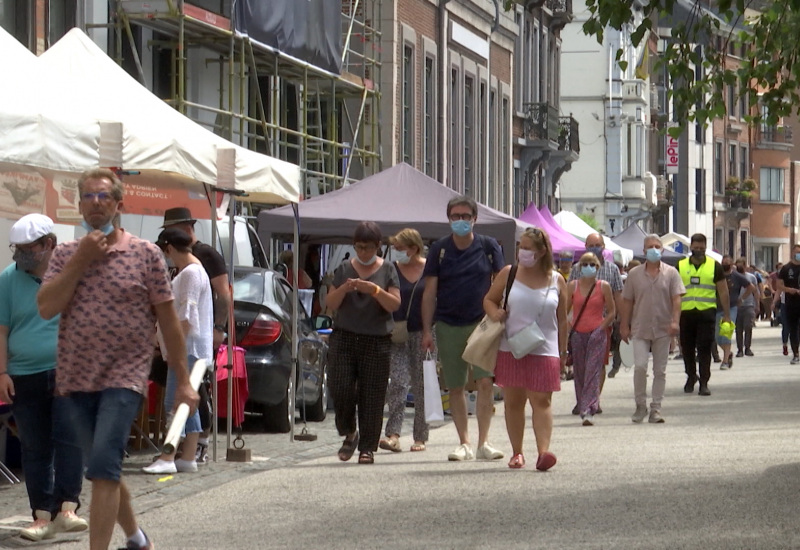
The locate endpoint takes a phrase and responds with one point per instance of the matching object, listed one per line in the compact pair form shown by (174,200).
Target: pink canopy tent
(559,238)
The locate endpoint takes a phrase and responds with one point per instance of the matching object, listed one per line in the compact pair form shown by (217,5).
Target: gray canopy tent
(633,237)
(396,198)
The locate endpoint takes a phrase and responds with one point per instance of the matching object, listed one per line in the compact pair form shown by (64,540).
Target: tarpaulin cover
(310,30)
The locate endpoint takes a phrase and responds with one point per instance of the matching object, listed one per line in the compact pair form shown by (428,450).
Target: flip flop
(417,447)
(390,444)
(348,448)
(545,461)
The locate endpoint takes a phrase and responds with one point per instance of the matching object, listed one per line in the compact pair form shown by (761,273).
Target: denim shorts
(193,424)
(102,422)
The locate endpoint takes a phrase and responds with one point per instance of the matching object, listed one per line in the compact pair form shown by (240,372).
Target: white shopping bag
(433,395)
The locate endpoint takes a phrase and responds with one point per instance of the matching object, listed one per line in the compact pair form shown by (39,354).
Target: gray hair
(653,237)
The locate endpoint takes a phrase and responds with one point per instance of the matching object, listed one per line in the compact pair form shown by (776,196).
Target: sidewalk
(271,451)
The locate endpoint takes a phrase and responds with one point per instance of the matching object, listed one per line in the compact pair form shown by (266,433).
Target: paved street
(723,472)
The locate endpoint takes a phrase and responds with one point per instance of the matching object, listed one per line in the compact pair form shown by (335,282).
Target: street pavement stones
(721,473)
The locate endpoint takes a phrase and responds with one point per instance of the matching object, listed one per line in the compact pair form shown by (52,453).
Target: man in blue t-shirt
(458,273)
(27,382)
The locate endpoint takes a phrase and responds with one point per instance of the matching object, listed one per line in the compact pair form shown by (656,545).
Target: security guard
(704,281)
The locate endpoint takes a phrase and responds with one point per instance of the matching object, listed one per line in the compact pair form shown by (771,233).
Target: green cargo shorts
(451,341)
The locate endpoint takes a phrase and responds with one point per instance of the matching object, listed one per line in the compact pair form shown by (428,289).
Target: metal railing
(775,134)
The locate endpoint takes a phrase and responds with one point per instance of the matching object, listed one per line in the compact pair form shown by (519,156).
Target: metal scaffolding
(326,123)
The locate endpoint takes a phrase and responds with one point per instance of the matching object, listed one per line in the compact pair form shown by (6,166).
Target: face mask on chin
(106,229)
(368,262)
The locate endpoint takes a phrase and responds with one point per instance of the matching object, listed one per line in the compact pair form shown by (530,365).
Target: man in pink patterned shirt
(110,288)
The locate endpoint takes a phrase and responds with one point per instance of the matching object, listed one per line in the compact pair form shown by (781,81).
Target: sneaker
(588,420)
(704,390)
(748,352)
(724,366)
(201,455)
(185,465)
(639,414)
(655,417)
(575,410)
(785,349)
(717,359)
(67,521)
(462,452)
(689,386)
(130,545)
(678,357)
(740,353)
(39,529)
(795,360)
(613,372)
(161,467)
(487,452)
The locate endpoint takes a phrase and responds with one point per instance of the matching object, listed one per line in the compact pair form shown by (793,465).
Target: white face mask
(401,256)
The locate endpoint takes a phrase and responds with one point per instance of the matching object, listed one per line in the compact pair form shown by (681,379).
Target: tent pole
(295,304)
(231,326)
(214,387)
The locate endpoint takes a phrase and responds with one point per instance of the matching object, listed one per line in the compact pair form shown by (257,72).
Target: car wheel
(317,411)
(278,418)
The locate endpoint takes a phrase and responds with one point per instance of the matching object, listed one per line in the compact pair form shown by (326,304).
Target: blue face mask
(588,271)
(461,228)
(797,257)
(106,229)
(653,254)
(596,250)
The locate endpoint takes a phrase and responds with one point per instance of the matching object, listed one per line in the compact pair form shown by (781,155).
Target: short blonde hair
(408,237)
(589,257)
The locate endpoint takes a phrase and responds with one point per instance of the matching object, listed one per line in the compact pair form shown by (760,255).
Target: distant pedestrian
(407,356)
(303,280)
(537,295)
(591,302)
(458,273)
(650,318)
(51,456)
(609,272)
(364,294)
(749,306)
(789,284)
(110,289)
(565,263)
(738,286)
(705,282)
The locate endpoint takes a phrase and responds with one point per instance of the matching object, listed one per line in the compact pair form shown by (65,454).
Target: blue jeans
(192,425)
(103,422)
(51,456)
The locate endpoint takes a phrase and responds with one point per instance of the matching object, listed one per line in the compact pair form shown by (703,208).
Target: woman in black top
(364,293)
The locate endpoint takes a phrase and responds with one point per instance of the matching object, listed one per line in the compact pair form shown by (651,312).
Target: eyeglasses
(24,247)
(456,217)
(365,247)
(102,196)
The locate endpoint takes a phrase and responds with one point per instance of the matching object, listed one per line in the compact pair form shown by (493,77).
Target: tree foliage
(765,73)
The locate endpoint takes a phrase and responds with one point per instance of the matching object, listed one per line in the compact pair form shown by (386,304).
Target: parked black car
(262,302)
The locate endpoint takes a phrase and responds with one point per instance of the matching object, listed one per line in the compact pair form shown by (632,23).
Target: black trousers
(697,333)
(358,373)
(793,322)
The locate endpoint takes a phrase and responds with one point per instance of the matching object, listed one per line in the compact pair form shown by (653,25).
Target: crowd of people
(83,308)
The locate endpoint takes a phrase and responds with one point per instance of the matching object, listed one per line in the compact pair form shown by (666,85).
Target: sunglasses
(588,265)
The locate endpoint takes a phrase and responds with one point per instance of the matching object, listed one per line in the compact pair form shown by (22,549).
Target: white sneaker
(588,420)
(161,467)
(39,529)
(185,465)
(639,414)
(487,452)
(462,452)
(67,521)
(656,417)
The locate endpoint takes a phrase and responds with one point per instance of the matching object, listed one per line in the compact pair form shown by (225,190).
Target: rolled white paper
(182,412)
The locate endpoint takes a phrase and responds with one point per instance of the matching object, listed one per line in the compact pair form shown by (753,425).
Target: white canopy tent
(669,239)
(572,224)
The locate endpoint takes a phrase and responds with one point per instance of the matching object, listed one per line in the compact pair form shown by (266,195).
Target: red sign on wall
(672,155)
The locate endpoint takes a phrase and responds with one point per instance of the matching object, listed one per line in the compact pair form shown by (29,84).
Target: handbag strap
(411,299)
(583,307)
(511,276)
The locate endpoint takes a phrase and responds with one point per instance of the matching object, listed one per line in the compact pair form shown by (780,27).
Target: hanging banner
(672,155)
(310,30)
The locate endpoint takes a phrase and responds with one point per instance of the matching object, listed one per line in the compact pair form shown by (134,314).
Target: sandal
(517,461)
(545,461)
(390,444)
(417,447)
(348,448)
(366,457)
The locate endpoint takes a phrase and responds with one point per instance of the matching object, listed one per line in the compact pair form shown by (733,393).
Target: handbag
(434,411)
(483,343)
(531,337)
(400,330)
(572,330)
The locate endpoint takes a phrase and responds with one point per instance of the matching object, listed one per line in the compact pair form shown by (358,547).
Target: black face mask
(698,254)
(740,268)
(726,268)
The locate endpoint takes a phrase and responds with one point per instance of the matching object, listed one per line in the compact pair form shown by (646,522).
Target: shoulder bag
(483,343)
(531,337)
(400,330)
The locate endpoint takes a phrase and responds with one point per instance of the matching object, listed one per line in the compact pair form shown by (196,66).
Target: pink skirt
(533,372)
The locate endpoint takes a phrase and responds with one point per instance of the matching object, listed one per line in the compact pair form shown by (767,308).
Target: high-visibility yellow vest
(701,292)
